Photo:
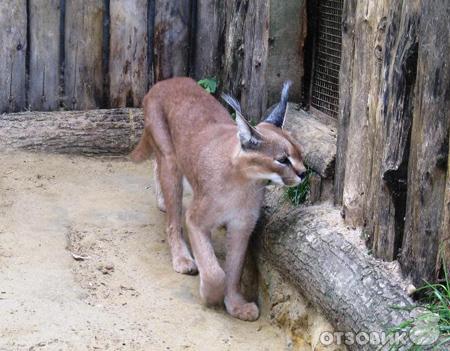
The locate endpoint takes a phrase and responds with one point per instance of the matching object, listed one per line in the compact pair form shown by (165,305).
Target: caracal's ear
(276,117)
(249,137)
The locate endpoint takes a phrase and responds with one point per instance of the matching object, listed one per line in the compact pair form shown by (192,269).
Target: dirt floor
(84,265)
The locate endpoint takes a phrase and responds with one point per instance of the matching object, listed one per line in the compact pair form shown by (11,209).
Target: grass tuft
(299,194)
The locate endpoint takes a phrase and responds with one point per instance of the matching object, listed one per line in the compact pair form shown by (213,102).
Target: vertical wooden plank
(128,67)
(13,39)
(427,166)
(44,89)
(233,60)
(386,201)
(171,42)
(256,42)
(360,143)
(83,54)
(445,227)
(345,94)
(210,26)
(287,34)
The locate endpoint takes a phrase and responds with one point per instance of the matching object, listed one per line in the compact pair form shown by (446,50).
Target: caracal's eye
(283,160)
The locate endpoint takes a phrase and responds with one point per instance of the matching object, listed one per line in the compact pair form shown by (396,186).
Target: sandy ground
(84,265)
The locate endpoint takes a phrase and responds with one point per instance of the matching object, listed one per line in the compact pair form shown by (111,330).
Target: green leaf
(209,84)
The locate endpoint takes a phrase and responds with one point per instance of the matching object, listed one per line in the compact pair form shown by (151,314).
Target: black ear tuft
(277,116)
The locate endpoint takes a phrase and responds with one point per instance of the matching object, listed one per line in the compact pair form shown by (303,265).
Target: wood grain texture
(44,86)
(256,41)
(317,140)
(210,25)
(359,134)
(233,60)
(445,228)
(287,34)
(171,40)
(84,88)
(345,95)
(311,248)
(427,167)
(13,39)
(128,66)
(386,200)
(96,132)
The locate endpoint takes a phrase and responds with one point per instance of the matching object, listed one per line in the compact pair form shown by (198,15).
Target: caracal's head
(267,151)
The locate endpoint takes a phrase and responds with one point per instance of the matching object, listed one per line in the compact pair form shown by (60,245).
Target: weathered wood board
(95,132)
(210,24)
(445,228)
(256,42)
(427,167)
(128,66)
(386,200)
(171,39)
(44,85)
(13,39)
(233,60)
(287,34)
(83,72)
(345,95)
(359,133)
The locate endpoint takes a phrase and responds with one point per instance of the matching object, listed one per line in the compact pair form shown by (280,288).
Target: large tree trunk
(97,132)
(314,251)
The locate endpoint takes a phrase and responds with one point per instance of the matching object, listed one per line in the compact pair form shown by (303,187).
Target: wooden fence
(86,54)
(392,164)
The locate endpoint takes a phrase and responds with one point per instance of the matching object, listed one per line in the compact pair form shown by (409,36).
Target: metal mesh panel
(327,58)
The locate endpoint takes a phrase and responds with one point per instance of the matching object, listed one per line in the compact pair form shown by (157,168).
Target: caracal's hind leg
(157,188)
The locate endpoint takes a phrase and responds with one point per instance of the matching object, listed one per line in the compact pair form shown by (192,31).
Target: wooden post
(360,143)
(386,201)
(445,228)
(13,39)
(345,94)
(172,25)
(44,88)
(83,52)
(128,67)
(210,25)
(427,168)
(256,41)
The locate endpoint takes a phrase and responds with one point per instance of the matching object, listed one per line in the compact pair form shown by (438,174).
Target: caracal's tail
(143,149)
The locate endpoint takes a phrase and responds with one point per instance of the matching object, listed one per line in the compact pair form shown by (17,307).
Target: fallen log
(318,140)
(96,132)
(329,265)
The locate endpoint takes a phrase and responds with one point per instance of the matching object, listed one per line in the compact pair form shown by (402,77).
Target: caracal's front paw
(161,203)
(246,311)
(184,265)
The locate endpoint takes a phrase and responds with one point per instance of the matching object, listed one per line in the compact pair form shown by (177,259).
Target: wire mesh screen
(327,58)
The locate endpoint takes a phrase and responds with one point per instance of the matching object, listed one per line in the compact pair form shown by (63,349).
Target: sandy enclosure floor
(84,265)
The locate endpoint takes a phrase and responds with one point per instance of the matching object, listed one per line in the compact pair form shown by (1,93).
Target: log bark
(83,73)
(96,132)
(287,34)
(312,249)
(445,228)
(386,201)
(171,38)
(427,167)
(45,69)
(13,39)
(209,34)
(360,142)
(256,41)
(317,140)
(345,95)
(128,66)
